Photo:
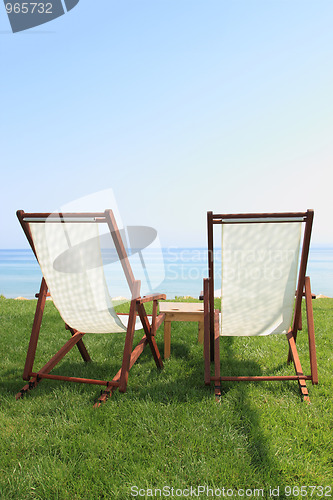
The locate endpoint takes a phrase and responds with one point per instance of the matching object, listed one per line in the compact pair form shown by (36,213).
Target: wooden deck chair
(67,247)
(260,257)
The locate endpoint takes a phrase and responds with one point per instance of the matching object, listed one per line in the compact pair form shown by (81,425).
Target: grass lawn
(166,431)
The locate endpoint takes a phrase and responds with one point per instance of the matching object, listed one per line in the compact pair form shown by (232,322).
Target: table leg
(167,339)
(201,332)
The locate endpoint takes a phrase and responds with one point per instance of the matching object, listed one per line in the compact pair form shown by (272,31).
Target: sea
(175,271)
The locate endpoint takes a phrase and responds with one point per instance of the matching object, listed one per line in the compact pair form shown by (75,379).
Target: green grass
(166,430)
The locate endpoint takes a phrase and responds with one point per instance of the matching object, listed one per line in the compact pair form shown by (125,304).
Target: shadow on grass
(182,379)
(245,413)
(249,423)
(231,365)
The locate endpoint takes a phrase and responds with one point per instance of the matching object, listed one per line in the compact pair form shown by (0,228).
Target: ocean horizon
(176,271)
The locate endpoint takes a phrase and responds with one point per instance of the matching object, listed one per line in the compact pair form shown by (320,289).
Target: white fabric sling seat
(69,255)
(259,272)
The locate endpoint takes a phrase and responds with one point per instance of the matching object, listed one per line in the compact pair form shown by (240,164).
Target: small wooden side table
(181,311)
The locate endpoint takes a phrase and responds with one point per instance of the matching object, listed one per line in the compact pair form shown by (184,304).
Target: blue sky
(178,106)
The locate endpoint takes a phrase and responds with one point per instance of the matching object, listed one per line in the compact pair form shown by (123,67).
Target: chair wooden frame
(211,316)
(137,307)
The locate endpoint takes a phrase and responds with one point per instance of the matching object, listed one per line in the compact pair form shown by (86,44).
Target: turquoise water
(184,270)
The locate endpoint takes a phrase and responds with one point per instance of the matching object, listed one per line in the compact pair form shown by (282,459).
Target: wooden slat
(80,345)
(211,280)
(298,367)
(311,333)
(134,357)
(150,336)
(180,307)
(129,338)
(302,271)
(159,320)
(216,218)
(51,363)
(118,243)
(61,353)
(181,316)
(217,353)
(268,378)
(60,215)
(206,330)
(26,229)
(75,379)
(35,330)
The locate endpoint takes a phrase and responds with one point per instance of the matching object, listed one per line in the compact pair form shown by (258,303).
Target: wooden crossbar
(268,378)
(80,380)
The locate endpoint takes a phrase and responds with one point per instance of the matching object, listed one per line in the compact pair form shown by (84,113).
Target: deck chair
(67,247)
(260,257)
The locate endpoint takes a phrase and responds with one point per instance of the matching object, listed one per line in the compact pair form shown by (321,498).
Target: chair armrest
(149,298)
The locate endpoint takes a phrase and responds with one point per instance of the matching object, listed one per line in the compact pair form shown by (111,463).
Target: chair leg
(128,347)
(311,335)
(290,354)
(133,358)
(296,328)
(35,330)
(298,367)
(217,354)
(206,331)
